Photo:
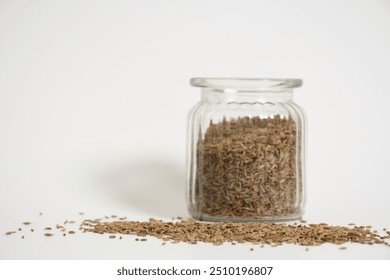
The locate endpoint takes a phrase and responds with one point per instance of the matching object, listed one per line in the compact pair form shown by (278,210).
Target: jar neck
(225,96)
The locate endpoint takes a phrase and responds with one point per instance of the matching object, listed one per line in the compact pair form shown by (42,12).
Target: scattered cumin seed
(114,216)
(48,228)
(71,222)
(22,236)
(48,234)
(64,234)
(27,223)
(32,230)
(351,224)
(10,232)
(163,243)
(112,236)
(251,249)
(19,229)
(217,233)
(71,232)
(342,248)
(81,213)
(120,237)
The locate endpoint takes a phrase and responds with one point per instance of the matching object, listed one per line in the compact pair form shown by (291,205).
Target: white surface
(94,97)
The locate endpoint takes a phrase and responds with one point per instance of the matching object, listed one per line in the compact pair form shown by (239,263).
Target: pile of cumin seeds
(249,167)
(217,233)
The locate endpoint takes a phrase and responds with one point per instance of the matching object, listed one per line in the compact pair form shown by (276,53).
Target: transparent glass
(246,151)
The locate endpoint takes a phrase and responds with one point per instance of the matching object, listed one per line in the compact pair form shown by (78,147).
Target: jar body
(246,155)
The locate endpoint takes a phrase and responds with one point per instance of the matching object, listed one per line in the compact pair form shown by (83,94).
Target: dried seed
(217,233)
(19,229)
(49,234)
(342,248)
(48,228)
(27,223)
(81,213)
(32,230)
(10,232)
(247,167)
(112,236)
(71,232)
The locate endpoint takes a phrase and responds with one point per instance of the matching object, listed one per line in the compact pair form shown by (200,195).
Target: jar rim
(251,84)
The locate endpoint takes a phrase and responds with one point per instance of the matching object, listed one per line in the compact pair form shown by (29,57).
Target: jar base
(209,218)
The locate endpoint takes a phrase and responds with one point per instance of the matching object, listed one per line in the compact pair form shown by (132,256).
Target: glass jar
(246,151)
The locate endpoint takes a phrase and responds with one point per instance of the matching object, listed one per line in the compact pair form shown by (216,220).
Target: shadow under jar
(246,151)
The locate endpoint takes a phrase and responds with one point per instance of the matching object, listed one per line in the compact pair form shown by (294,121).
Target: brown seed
(81,213)
(120,237)
(351,224)
(48,228)
(27,223)
(32,230)
(71,232)
(10,232)
(112,236)
(217,233)
(71,222)
(251,249)
(114,216)
(163,243)
(143,239)
(64,234)
(19,229)
(22,236)
(49,234)
(247,168)
(342,248)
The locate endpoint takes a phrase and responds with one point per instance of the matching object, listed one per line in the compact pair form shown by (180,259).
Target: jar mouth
(246,84)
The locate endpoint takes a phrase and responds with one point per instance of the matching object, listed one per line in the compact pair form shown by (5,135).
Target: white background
(94,97)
